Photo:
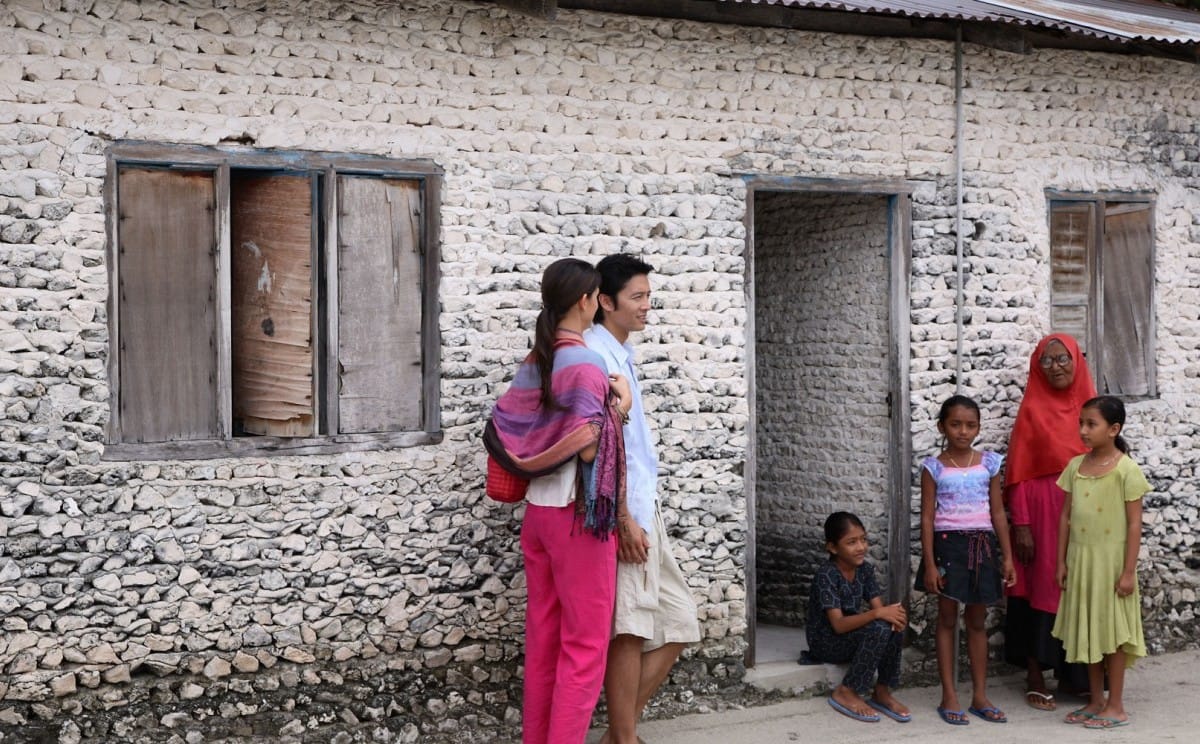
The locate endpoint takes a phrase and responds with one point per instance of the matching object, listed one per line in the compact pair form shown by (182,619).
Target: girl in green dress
(1099,620)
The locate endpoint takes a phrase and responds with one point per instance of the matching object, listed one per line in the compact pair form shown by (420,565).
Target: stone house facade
(796,191)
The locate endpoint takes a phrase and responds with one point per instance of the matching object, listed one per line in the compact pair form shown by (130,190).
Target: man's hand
(632,541)
(621,389)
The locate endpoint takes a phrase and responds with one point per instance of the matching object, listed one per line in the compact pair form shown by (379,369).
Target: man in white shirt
(655,614)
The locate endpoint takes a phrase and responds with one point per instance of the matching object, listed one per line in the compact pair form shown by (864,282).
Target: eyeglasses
(1061,360)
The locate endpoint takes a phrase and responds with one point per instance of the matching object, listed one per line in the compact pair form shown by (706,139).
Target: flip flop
(1079,716)
(1040,700)
(945,714)
(901,717)
(990,713)
(1102,722)
(856,716)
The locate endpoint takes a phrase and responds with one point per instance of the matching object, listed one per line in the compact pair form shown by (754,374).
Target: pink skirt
(1038,503)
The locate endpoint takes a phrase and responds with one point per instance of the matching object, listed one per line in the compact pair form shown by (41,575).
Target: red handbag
(502,485)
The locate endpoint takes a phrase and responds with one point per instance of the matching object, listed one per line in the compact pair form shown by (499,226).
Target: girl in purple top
(965,553)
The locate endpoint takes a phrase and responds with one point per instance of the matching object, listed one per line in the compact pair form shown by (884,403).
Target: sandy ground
(1162,697)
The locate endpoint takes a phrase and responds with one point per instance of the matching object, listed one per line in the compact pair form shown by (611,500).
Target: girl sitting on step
(840,632)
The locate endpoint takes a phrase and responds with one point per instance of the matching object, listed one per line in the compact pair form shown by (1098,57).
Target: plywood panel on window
(1072,228)
(379,310)
(1128,287)
(271,302)
(1072,241)
(1072,320)
(167,245)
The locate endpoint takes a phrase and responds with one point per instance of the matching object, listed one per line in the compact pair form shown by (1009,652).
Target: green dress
(1092,620)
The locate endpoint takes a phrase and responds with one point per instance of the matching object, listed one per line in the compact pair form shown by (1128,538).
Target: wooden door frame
(899,255)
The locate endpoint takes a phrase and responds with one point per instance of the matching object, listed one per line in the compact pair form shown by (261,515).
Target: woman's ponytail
(1112,410)
(564,283)
(543,353)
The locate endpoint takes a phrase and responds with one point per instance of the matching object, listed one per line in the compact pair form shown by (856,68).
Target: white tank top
(555,489)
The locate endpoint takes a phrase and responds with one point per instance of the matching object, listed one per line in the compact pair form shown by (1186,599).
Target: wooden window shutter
(1127,281)
(167,305)
(271,303)
(1072,241)
(379,304)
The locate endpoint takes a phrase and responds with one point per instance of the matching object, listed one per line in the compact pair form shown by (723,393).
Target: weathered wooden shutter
(1127,281)
(379,304)
(1072,241)
(167,305)
(271,237)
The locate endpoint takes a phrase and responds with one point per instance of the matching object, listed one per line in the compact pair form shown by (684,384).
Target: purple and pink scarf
(530,441)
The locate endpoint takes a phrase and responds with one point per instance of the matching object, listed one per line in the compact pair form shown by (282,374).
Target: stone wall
(286,597)
(821,327)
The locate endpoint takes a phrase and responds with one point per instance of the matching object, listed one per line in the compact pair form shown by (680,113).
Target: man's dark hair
(615,272)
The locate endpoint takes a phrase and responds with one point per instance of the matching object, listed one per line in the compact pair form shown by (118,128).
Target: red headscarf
(1046,435)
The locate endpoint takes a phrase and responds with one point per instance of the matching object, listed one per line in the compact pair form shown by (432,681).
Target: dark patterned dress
(870,650)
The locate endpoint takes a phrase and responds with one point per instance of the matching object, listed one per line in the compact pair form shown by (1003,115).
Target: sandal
(1102,722)
(1079,716)
(864,717)
(1040,700)
(953,717)
(989,713)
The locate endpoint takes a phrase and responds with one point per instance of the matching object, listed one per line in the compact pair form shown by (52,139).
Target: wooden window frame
(328,166)
(1095,269)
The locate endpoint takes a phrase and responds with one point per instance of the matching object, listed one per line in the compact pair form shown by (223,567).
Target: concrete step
(793,678)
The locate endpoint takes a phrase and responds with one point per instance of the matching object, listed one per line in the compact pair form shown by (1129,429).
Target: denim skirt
(971,564)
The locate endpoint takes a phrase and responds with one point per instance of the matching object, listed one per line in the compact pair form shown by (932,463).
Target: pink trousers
(571,579)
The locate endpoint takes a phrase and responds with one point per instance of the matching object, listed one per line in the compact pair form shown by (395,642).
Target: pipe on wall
(959,300)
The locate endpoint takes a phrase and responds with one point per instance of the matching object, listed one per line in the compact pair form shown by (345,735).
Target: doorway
(827,279)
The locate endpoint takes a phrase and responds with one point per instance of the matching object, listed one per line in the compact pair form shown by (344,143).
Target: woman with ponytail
(559,424)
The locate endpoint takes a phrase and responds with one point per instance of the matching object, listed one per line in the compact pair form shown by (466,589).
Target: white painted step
(794,678)
(775,668)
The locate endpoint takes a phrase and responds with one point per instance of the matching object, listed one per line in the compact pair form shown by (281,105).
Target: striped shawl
(530,441)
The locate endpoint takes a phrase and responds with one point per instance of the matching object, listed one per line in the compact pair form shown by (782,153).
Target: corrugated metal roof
(1123,20)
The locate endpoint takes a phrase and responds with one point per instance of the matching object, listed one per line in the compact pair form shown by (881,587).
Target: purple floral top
(962,493)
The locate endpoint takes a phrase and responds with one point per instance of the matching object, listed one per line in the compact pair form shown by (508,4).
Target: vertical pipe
(958,208)
(958,247)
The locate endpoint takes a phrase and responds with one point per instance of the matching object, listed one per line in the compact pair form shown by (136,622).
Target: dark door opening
(824,377)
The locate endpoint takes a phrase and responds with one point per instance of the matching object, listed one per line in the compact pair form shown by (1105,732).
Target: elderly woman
(1044,438)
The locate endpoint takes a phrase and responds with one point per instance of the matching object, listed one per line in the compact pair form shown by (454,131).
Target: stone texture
(383,578)
(821,326)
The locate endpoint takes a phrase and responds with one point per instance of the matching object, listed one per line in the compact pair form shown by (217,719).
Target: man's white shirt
(641,460)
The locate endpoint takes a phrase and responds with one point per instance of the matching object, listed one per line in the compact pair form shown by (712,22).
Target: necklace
(1107,462)
(954,462)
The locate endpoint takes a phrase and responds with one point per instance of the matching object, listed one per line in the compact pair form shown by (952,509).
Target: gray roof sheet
(1123,20)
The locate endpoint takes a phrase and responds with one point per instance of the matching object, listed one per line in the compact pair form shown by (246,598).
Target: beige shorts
(653,600)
